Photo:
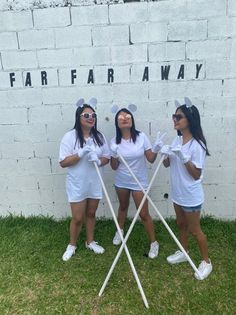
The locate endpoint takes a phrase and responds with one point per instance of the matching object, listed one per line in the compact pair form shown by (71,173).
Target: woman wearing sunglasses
(186,158)
(135,147)
(79,149)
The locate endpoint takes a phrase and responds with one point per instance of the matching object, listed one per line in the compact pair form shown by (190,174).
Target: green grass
(35,280)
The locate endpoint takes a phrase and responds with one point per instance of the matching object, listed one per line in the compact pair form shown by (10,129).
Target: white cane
(161,217)
(121,236)
(130,228)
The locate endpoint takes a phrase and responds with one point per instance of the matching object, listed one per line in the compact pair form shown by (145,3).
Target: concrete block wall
(154,52)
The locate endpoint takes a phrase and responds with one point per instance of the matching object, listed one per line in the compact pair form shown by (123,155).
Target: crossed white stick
(124,240)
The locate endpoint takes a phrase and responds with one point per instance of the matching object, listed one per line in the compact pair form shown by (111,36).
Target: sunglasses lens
(86,115)
(93,115)
(177,117)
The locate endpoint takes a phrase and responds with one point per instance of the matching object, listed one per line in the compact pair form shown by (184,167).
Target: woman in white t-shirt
(79,149)
(186,158)
(135,147)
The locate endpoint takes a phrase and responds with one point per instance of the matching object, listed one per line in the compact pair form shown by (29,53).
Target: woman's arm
(150,156)
(104,161)
(70,160)
(193,170)
(114,163)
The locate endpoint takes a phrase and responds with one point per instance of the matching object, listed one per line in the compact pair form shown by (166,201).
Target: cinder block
(16,150)
(128,13)
(51,17)
(187,30)
(36,39)
(89,15)
(60,95)
(231,8)
(222,27)
(73,37)
(233,49)
(55,131)
(229,87)
(33,166)
(8,40)
(19,60)
(40,78)
(15,116)
(10,79)
(174,90)
(4,98)
(220,69)
(45,149)
(148,32)
(7,133)
(91,56)
(45,114)
(31,133)
(8,167)
(55,58)
(166,51)
(167,10)
(201,9)
(217,49)
(15,21)
(24,97)
(110,35)
(130,93)
(220,106)
(128,54)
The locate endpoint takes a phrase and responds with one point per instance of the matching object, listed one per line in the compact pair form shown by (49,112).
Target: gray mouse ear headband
(92,102)
(131,107)
(187,103)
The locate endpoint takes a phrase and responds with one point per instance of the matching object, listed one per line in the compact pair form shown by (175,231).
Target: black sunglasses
(177,117)
(89,115)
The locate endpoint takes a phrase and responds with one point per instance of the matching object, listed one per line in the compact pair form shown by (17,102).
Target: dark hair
(97,136)
(133,131)
(193,117)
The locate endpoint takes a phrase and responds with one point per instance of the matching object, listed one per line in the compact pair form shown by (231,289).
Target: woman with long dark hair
(135,147)
(186,158)
(79,148)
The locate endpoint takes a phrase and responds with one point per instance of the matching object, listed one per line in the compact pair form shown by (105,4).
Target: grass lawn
(35,280)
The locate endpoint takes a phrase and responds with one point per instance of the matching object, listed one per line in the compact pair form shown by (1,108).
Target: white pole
(131,226)
(162,219)
(121,236)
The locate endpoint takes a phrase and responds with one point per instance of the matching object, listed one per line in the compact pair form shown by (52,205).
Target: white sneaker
(70,251)
(154,250)
(117,240)
(204,269)
(95,247)
(176,258)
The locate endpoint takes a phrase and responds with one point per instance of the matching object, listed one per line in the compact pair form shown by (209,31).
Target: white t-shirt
(82,181)
(133,153)
(185,190)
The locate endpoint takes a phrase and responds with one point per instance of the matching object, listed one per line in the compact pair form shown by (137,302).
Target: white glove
(178,152)
(114,149)
(92,157)
(82,151)
(166,150)
(158,144)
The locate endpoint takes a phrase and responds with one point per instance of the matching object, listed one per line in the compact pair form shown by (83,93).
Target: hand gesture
(166,150)
(158,144)
(83,151)
(93,157)
(178,152)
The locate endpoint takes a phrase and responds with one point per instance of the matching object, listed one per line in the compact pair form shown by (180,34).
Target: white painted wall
(126,38)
